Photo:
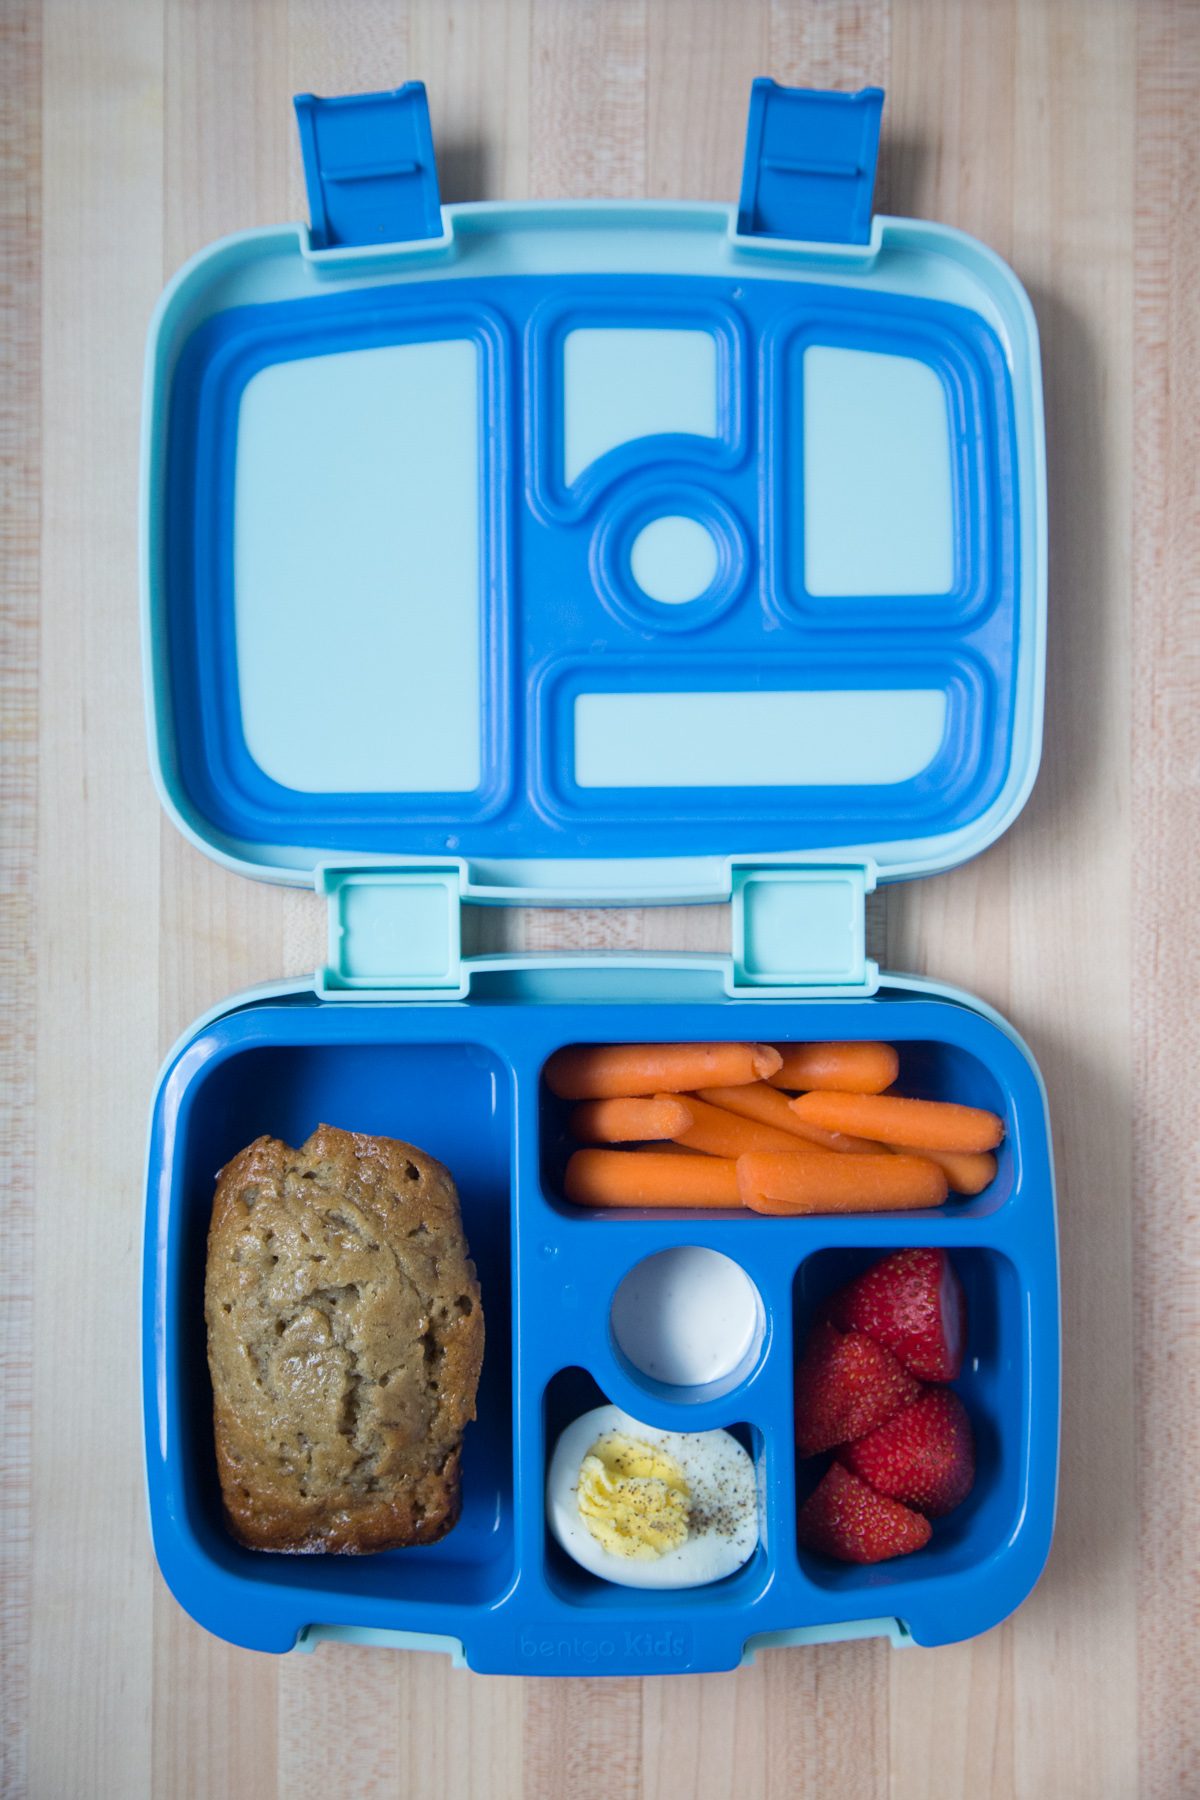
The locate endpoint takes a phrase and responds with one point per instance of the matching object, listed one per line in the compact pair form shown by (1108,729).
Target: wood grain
(98,910)
(1066,133)
(696,55)
(20,473)
(1073,245)
(587,100)
(798,1723)
(339,1723)
(583,1737)
(1166,815)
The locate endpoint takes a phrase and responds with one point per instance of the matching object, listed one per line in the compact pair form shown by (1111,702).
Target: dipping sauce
(687,1316)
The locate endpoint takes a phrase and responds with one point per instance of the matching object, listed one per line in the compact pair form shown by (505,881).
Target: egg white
(719,1474)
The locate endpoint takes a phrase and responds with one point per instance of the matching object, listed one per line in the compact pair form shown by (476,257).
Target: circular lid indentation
(674,559)
(686,1316)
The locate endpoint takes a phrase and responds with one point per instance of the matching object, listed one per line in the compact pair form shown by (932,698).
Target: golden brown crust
(345,1338)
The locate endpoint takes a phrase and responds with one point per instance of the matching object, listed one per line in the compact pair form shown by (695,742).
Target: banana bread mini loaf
(345,1337)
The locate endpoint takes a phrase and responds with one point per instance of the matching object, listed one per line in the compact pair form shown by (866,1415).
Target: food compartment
(930,1069)
(687,1325)
(994,1386)
(451,1100)
(573,1392)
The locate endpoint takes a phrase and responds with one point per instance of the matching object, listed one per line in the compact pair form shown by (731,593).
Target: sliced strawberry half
(847,1519)
(923,1456)
(913,1303)
(846,1385)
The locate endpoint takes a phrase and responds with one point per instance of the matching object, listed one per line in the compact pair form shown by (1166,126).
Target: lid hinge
(798,930)
(802,926)
(809,173)
(393,928)
(369,168)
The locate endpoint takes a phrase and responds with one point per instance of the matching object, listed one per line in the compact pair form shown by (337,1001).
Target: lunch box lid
(594,552)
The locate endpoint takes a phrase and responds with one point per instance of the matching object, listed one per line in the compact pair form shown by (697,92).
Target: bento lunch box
(596,553)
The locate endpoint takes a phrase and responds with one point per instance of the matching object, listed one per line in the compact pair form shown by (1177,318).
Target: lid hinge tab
(369,168)
(802,926)
(809,173)
(393,928)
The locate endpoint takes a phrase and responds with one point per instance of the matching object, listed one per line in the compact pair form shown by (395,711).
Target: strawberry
(912,1302)
(847,1519)
(923,1456)
(846,1385)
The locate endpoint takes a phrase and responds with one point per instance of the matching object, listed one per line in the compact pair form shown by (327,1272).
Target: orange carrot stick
(938,1123)
(838,1184)
(613,1071)
(665,1147)
(846,1068)
(759,1100)
(967,1171)
(647,1178)
(629,1121)
(721,1133)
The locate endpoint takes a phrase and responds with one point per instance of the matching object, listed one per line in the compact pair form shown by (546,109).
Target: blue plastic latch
(809,172)
(369,167)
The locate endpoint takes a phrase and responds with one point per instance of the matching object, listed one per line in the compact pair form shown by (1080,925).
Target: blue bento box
(595,553)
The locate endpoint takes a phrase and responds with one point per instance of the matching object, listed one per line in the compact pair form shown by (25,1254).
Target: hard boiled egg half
(651,1509)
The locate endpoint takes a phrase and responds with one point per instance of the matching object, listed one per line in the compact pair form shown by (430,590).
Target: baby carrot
(613,1071)
(967,1171)
(938,1123)
(721,1133)
(846,1068)
(648,1178)
(629,1121)
(759,1100)
(838,1184)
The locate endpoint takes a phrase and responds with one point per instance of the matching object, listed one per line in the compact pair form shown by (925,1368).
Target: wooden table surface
(1066,133)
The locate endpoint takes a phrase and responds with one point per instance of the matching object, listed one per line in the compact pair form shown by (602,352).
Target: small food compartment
(570,1395)
(756,1114)
(994,1386)
(281,1072)
(687,1325)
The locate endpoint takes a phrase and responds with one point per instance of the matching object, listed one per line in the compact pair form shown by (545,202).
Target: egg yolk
(633,1498)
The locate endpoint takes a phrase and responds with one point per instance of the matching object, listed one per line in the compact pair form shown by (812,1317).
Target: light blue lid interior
(356,558)
(622,383)
(878,483)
